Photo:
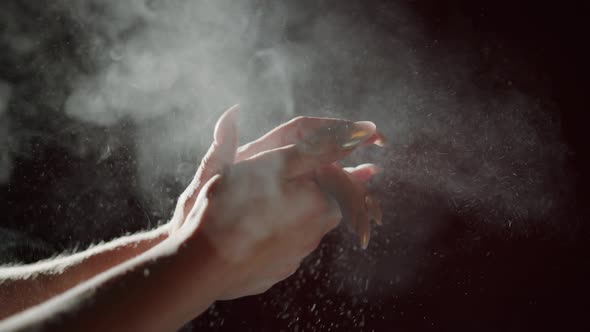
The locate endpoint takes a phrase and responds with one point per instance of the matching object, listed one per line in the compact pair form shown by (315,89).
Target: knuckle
(258,290)
(299,120)
(287,271)
(299,123)
(331,224)
(264,289)
(310,247)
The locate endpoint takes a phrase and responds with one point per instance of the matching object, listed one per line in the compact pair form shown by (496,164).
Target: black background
(467,277)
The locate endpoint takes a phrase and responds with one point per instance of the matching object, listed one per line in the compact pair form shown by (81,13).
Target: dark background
(467,277)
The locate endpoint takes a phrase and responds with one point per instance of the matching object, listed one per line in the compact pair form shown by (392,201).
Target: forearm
(158,290)
(24,286)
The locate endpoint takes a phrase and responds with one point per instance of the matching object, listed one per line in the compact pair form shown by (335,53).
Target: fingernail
(358,133)
(378,215)
(381,141)
(344,135)
(374,168)
(365,240)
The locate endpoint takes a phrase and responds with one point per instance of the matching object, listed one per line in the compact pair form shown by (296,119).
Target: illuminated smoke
(174,66)
(171,67)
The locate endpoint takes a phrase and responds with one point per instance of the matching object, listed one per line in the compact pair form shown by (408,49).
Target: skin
(32,284)
(220,244)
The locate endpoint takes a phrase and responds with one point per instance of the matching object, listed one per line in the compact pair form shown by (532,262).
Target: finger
(335,182)
(363,172)
(293,132)
(222,152)
(286,134)
(220,155)
(372,206)
(364,227)
(378,139)
(374,210)
(326,145)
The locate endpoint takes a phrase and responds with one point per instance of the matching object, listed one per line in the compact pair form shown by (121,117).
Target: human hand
(222,153)
(271,210)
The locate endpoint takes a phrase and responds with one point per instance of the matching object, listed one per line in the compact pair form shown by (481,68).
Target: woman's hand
(271,208)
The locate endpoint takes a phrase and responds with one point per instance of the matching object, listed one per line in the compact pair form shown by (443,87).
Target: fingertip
(374,169)
(368,126)
(357,134)
(364,172)
(365,236)
(377,139)
(363,226)
(226,127)
(378,214)
(380,140)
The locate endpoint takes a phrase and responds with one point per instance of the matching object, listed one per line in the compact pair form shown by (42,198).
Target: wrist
(205,260)
(198,264)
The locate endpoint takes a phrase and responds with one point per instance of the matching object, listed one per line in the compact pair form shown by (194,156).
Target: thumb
(220,155)
(222,152)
